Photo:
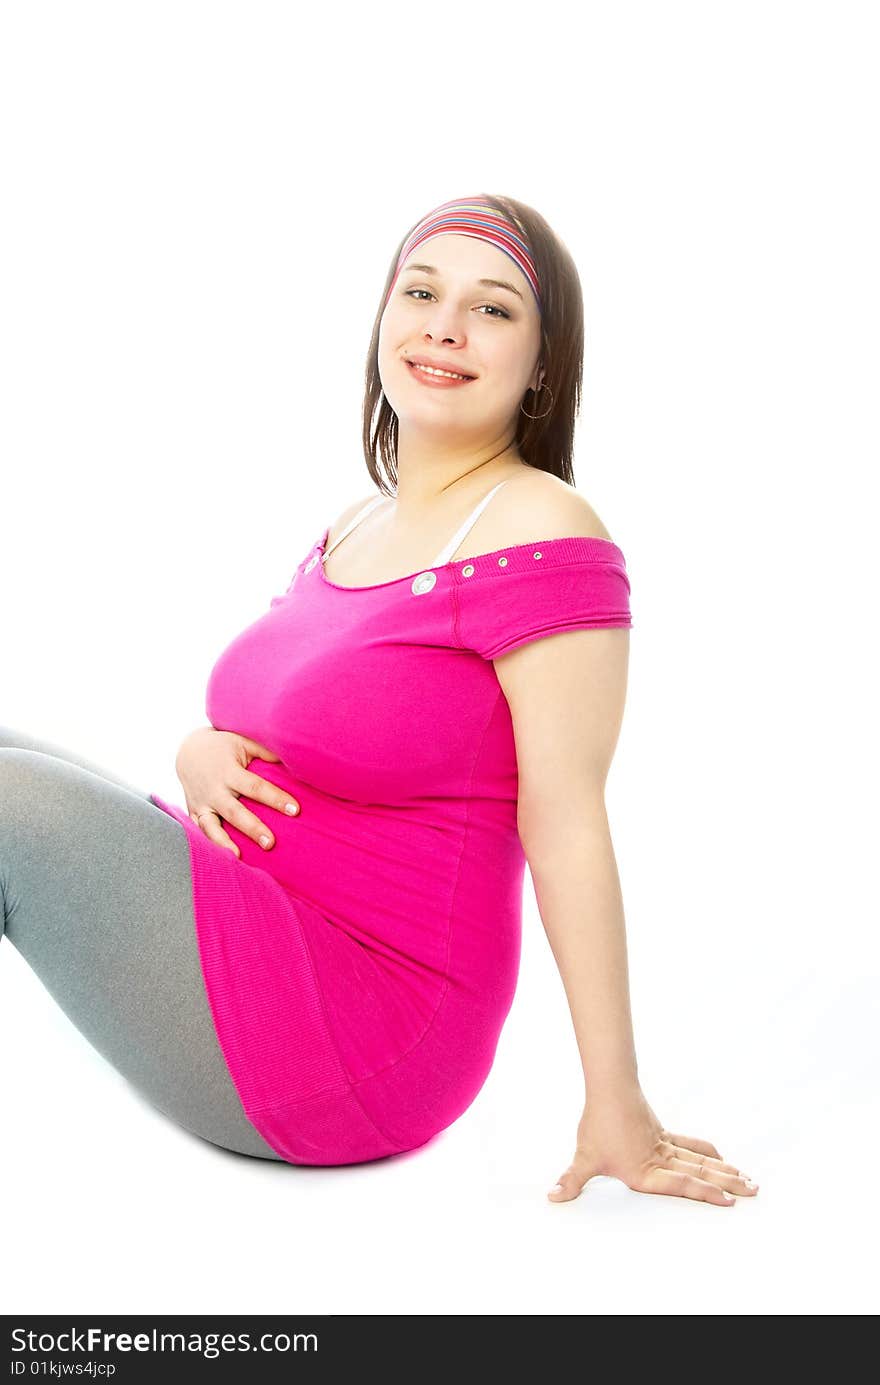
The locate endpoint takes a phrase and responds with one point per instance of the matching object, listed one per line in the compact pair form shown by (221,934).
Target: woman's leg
(96,895)
(10,738)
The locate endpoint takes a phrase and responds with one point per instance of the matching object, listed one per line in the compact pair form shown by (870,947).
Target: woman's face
(441,312)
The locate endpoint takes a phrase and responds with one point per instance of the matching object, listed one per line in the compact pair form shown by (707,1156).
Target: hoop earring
(542,386)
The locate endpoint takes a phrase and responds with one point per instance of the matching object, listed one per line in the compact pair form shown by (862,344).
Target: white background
(201,202)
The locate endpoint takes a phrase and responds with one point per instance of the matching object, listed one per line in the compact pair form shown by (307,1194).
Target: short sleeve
(506,599)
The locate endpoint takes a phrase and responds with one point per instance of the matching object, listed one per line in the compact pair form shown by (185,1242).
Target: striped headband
(472,216)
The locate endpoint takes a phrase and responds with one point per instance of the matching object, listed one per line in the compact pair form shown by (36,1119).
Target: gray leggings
(96,895)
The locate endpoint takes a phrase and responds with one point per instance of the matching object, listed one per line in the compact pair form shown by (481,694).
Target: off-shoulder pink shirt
(359,972)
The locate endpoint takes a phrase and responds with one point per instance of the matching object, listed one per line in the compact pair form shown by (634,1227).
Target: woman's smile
(436,379)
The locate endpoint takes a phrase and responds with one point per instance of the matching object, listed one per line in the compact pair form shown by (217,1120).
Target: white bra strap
(455,542)
(353,523)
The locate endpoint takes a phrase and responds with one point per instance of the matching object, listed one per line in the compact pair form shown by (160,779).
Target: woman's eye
(409,293)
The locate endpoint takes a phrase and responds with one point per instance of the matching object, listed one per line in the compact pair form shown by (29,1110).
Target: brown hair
(545,443)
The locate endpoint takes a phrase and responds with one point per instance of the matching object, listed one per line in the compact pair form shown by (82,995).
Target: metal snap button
(537,555)
(311,563)
(424,582)
(467,570)
(502,562)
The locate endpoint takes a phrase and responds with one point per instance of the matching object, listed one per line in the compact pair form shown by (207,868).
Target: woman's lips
(436,382)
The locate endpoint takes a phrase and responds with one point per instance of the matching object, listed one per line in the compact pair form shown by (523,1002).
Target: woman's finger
(569,1186)
(694,1156)
(250,785)
(733,1182)
(210,824)
(247,822)
(688,1142)
(676,1184)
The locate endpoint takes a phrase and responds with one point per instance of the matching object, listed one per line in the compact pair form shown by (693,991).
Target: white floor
(107,1205)
(173,441)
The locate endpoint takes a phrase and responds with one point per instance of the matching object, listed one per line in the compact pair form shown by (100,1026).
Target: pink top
(360,972)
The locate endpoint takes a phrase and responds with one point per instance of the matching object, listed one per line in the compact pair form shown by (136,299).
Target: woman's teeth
(450,374)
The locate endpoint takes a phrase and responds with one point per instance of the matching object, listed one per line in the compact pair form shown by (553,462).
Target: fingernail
(264,841)
(291,807)
(557,1188)
(750,1184)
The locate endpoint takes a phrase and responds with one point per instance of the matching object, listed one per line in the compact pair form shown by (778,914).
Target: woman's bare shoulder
(349,513)
(540,505)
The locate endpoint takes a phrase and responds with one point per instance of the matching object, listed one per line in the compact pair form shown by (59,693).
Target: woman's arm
(579,899)
(566,694)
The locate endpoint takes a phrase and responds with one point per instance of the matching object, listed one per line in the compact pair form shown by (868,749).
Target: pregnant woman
(313,961)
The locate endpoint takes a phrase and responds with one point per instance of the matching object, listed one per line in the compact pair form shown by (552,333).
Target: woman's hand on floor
(619,1136)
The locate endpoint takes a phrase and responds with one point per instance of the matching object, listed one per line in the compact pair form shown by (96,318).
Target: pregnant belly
(383,884)
(411,919)
(386,877)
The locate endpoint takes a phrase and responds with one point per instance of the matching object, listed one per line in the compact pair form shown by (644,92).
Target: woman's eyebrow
(485,283)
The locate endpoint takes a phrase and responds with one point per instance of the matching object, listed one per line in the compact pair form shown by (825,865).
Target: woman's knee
(12,738)
(68,837)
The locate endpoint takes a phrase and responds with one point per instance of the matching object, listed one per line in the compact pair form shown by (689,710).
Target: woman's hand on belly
(212,766)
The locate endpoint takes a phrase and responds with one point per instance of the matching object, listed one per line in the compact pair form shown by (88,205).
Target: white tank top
(446,551)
